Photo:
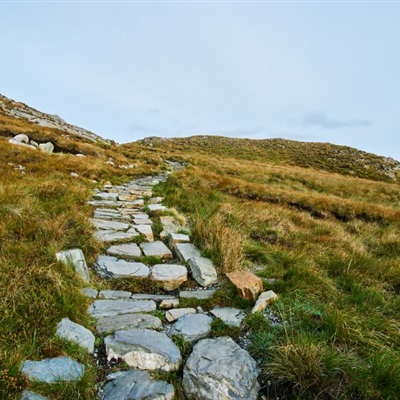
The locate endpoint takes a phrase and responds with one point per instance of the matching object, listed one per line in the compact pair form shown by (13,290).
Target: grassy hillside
(323,156)
(318,223)
(328,244)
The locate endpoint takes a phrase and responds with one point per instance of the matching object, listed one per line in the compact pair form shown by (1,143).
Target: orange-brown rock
(127,197)
(248,285)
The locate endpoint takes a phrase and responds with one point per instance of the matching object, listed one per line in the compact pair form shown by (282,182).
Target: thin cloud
(321,119)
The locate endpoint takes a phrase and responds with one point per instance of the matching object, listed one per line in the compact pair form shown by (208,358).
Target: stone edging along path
(127,323)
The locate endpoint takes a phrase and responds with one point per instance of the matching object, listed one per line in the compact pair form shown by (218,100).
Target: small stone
(203,271)
(127,321)
(66,329)
(156,249)
(125,250)
(114,294)
(74,175)
(229,315)
(186,251)
(169,303)
(192,327)
(156,200)
(75,258)
(136,385)
(248,285)
(169,276)
(197,294)
(176,313)
(108,308)
(144,349)
(27,395)
(127,197)
(91,293)
(157,207)
(52,370)
(110,225)
(263,301)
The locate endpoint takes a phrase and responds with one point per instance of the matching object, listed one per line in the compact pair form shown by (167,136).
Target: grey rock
(264,300)
(66,329)
(27,395)
(136,204)
(106,196)
(192,327)
(176,313)
(156,249)
(218,369)
(169,303)
(75,258)
(21,138)
(155,200)
(88,292)
(169,276)
(110,225)
(138,221)
(144,349)
(146,231)
(136,385)
(12,141)
(114,294)
(111,267)
(177,238)
(104,203)
(197,294)
(203,271)
(53,370)
(112,236)
(107,308)
(155,297)
(127,321)
(229,315)
(186,251)
(125,250)
(157,207)
(46,147)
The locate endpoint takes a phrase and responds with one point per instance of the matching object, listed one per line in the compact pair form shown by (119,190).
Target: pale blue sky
(312,71)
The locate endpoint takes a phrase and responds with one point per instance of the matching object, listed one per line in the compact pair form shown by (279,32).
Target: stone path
(137,327)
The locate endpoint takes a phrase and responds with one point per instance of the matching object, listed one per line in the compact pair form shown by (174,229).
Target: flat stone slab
(249,286)
(264,300)
(127,321)
(27,395)
(177,238)
(144,349)
(52,370)
(143,222)
(110,225)
(192,327)
(229,315)
(125,250)
(220,369)
(176,313)
(170,303)
(155,297)
(106,196)
(136,204)
(108,308)
(186,251)
(104,203)
(197,294)
(76,259)
(112,267)
(91,293)
(156,207)
(169,276)
(146,231)
(136,385)
(114,294)
(156,249)
(113,236)
(203,271)
(66,329)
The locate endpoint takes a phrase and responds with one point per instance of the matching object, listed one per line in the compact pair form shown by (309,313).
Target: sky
(309,71)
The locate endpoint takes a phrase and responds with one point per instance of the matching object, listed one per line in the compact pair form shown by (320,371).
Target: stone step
(108,308)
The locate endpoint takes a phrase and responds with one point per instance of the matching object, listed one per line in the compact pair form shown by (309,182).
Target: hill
(318,223)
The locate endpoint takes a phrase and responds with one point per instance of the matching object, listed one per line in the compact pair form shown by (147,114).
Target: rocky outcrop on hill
(20,110)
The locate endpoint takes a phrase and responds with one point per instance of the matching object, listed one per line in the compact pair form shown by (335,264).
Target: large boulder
(136,385)
(218,369)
